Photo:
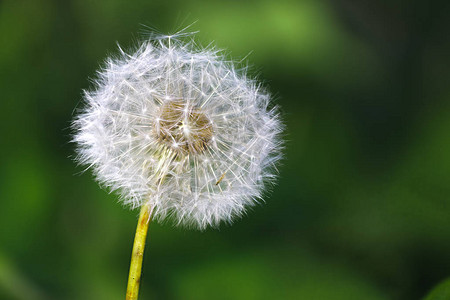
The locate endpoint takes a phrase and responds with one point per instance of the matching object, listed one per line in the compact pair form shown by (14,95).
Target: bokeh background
(362,207)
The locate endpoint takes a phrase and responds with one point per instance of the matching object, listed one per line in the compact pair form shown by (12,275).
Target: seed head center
(183,128)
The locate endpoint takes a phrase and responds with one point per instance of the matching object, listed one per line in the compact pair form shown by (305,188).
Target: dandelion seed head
(179,127)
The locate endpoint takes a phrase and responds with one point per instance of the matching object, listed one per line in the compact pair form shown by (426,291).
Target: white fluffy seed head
(178,127)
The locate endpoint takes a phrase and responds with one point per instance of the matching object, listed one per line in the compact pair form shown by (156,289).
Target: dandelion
(179,132)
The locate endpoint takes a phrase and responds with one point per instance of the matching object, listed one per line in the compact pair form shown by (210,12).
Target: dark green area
(362,206)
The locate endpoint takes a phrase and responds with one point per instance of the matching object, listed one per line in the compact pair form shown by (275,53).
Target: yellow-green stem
(138,252)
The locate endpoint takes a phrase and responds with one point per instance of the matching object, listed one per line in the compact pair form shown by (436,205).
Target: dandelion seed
(182,107)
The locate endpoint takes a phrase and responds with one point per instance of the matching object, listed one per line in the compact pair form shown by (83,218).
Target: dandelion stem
(134,276)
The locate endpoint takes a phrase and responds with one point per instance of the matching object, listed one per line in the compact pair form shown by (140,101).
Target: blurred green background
(362,206)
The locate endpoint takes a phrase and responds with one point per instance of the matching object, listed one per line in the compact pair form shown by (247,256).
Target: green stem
(134,276)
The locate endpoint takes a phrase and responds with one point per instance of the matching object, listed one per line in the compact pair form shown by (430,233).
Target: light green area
(440,292)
